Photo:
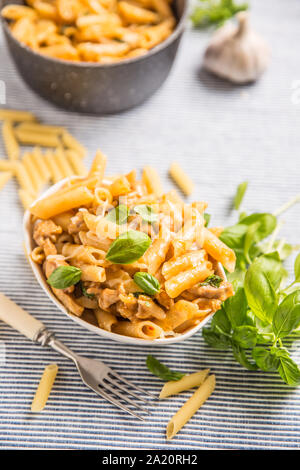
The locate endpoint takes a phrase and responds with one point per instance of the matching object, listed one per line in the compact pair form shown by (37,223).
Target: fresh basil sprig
(64,276)
(147,282)
(118,215)
(240,193)
(207,218)
(162,371)
(147,213)
(215,12)
(128,247)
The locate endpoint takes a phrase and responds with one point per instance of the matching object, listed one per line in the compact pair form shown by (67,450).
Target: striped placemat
(222,135)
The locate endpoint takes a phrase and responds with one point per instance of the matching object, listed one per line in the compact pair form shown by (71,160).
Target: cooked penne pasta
(186,383)
(44,388)
(181,179)
(191,406)
(218,250)
(11,145)
(141,257)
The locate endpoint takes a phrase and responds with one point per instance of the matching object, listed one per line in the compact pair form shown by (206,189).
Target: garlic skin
(237,53)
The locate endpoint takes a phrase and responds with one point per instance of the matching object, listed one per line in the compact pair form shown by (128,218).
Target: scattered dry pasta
(138,259)
(91,30)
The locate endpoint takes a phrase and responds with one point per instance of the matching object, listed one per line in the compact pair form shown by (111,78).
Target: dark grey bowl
(93,88)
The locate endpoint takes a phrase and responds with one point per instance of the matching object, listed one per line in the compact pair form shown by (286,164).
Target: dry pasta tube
(58,203)
(37,138)
(44,388)
(218,250)
(70,142)
(181,179)
(4,178)
(187,279)
(36,127)
(7,165)
(76,162)
(11,145)
(191,406)
(56,173)
(41,165)
(24,179)
(143,329)
(152,181)
(105,320)
(63,163)
(98,165)
(186,383)
(16,116)
(32,170)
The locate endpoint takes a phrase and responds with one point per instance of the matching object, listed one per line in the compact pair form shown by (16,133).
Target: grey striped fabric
(222,135)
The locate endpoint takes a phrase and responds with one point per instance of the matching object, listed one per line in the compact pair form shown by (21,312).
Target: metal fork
(95,374)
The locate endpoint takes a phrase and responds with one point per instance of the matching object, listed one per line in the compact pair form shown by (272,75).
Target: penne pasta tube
(54,169)
(4,178)
(156,253)
(36,138)
(178,314)
(182,263)
(218,250)
(191,406)
(187,279)
(76,162)
(182,180)
(63,163)
(105,320)
(7,165)
(143,329)
(32,170)
(16,116)
(61,202)
(41,165)
(11,145)
(98,165)
(120,186)
(152,181)
(44,388)
(31,126)
(186,383)
(24,179)
(71,143)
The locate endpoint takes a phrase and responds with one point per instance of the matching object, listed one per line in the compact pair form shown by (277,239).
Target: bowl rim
(173,36)
(40,277)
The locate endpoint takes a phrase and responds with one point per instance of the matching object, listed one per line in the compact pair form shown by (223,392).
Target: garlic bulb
(237,53)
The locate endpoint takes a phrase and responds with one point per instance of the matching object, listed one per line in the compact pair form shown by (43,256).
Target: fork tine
(115,402)
(125,389)
(124,397)
(115,374)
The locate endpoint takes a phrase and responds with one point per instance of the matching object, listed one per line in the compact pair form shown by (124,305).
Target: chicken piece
(68,301)
(49,248)
(46,229)
(149,309)
(77,224)
(107,297)
(222,292)
(164,300)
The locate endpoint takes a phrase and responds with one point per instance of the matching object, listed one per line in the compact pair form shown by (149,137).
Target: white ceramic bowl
(30,245)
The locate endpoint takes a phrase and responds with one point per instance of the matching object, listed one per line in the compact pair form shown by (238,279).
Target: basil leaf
(250,239)
(236,307)
(267,223)
(265,359)
(119,215)
(147,282)
(287,368)
(271,265)
(241,357)
(297,268)
(147,213)
(220,322)
(162,371)
(212,280)
(64,276)
(260,294)
(206,218)
(240,193)
(128,247)
(287,316)
(245,336)
(234,236)
(85,292)
(215,340)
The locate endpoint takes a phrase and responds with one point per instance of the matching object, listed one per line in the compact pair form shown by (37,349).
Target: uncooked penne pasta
(29,126)
(4,178)
(76,162)
(8,165)
(44,388)
(186,383)
(181,179)
(24,179)
(41,165)
(16,116)
(11,145)
(191,406)
(32,170)
(56,173)
(26,198)
(71,143)
(152,181)
(36,138)
(63,163)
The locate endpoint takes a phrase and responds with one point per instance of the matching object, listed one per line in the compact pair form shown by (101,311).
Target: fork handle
(18,319)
